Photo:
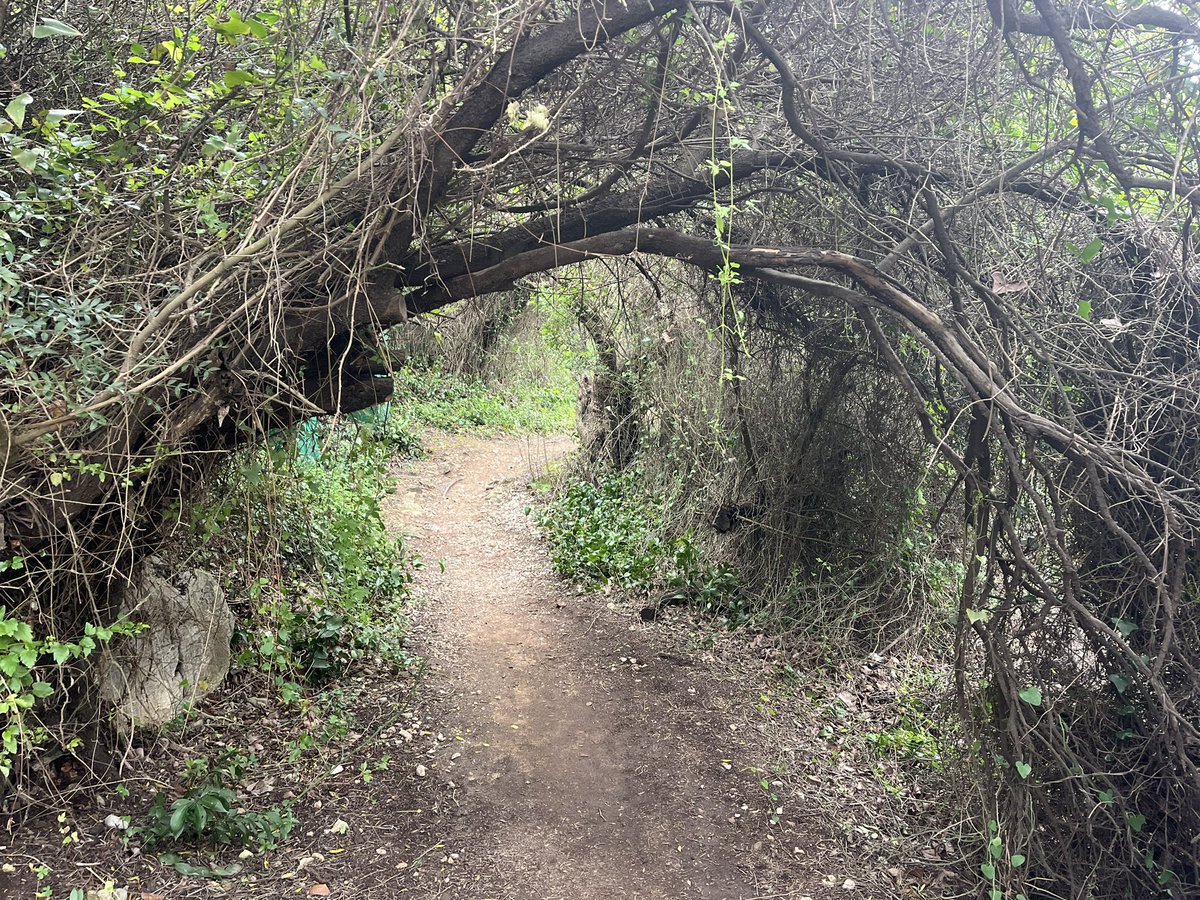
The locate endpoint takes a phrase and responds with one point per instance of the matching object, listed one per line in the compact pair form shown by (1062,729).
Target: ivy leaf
(1018,860)
(1084,311)
(236,78)
(1136,822)
(16,108)
(1031,695)
(1023,769)
(55,116)
(978,615)
(1124,626)
(54,28)
(1120,682)
(996,847)
(988,870)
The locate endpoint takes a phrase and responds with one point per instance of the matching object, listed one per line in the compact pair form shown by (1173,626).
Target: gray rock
(181,655)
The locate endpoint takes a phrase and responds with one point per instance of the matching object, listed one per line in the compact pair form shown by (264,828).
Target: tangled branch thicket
(211,214)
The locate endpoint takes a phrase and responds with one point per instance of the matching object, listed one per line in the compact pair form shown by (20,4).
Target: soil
(549,746)
(587,762)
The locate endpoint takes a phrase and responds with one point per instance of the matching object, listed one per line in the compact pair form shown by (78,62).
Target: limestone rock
(181,655)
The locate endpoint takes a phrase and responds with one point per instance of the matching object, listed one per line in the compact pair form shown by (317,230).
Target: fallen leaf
(319,890)
(341,826)
(1001,284)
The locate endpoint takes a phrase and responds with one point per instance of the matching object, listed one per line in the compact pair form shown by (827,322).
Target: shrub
(209,811)
(457,403)
(606,531)
(325,581)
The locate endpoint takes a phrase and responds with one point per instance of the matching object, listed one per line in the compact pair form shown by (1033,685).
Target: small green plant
(907,743)
(715,590)
(209,814)
(997,858)
(209,811)
(23,659)
(605,532)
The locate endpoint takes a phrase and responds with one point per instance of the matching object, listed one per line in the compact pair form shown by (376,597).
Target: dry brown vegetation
(980,214)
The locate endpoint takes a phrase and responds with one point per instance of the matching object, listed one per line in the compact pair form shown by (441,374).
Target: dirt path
(585,764)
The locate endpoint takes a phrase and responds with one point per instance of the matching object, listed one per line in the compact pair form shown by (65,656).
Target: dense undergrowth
(932,385)
(294,529)
(321,579)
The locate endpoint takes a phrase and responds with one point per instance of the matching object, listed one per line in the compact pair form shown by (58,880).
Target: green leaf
(996,847)
(1018,860)
(55,116)
(236,78)
(54,28)
(41,689)
(16,108)
(1023,769)
(1084,311)
(1120,682)
(1088,251)
(1124,626)
(1136,822)
(978,615)
(1031,695)
(178,817)
(26,159)
(185,868)
(988,870)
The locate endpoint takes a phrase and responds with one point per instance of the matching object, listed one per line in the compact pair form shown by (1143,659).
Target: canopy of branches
(213,210)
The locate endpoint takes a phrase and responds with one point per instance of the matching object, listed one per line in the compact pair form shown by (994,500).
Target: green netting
(308,433)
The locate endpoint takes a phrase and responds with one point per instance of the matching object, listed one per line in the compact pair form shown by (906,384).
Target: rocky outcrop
(180,655)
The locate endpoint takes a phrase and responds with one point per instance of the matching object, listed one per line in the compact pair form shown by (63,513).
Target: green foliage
(209,811)
(24,659)
(920,729)
(606,532)
(331,582)
(179,117)
(454,403)
(715,590)
(611,531)
(907,741)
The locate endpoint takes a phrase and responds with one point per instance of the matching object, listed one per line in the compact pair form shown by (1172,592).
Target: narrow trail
(584,762)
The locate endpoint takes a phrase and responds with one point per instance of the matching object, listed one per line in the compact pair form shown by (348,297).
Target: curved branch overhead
(998,198)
